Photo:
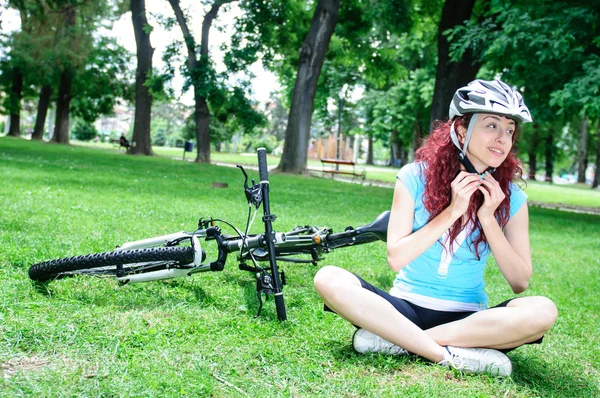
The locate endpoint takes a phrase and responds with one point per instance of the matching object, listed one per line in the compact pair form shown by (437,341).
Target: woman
(451,208)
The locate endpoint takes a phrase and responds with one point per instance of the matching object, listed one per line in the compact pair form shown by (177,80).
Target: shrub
(84,131)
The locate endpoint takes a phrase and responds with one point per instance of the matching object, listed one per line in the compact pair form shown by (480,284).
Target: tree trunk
(202,111)
(311,58)
(370,150)
(395,148)
(202,117)
(533,153)
(451,75)
(141,141)
(596,181)
(15,103)
(549,156)
(582,150)
(198,68)
(417,136)
(42,112)
(61,124)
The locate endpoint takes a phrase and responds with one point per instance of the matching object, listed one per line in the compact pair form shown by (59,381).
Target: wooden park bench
(329,166)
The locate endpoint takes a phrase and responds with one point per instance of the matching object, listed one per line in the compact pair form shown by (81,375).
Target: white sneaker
(477,360)
(364,341)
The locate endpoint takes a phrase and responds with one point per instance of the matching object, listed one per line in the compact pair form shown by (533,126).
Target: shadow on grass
(247,282)
(42,288)
(548,380)
(140,296)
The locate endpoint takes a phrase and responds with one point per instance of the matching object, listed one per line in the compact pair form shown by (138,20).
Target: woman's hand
(463,187)
(492,197)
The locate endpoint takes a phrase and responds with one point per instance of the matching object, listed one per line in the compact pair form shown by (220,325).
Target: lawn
(573,194)
(198,336)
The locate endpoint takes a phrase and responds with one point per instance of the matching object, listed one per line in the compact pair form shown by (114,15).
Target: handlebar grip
(263,172)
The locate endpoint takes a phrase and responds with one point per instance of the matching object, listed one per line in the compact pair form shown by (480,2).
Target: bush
(159,138)
(268,142)
(84,131)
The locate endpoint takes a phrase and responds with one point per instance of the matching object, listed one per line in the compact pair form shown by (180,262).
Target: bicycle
(181,255)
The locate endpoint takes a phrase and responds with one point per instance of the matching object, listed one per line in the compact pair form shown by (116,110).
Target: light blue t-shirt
(438,279)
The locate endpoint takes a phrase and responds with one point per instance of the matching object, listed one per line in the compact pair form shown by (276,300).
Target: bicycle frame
(181,254)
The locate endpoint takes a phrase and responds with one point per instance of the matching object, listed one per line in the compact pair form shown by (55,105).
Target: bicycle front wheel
(134,261)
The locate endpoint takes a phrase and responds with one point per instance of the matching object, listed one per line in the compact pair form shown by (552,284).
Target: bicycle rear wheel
(133,261)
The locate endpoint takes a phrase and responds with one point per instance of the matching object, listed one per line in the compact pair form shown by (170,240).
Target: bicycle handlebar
(263,171)
(293,242)
(278,245)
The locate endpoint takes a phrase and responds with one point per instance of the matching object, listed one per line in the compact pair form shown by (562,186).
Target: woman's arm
(403,246)
(510,249)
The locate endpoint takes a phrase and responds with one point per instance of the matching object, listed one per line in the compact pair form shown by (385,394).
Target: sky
(263,83)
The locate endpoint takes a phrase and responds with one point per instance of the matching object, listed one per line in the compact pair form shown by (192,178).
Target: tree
(452,74)
(359,50)
(14,67)
(582,150)
(143,98)
(581,96)
(103,81)
(211,90)
(200,73)
(312,56)
(14,106)
(61,124)
(562,38)
(596,181)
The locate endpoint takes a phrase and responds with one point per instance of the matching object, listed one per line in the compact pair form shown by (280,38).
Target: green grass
(197,337)
(573,194)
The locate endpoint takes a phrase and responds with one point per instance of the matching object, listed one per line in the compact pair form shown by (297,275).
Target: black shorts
(425,318)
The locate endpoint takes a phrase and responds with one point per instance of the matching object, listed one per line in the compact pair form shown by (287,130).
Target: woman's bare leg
(523,320)
(342,292)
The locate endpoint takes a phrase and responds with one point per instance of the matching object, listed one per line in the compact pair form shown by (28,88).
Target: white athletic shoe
(364,341)
(477,360)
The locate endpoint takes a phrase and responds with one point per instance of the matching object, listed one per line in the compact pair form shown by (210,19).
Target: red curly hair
(441,157)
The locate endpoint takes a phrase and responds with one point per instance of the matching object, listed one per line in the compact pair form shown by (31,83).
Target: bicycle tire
(133,261)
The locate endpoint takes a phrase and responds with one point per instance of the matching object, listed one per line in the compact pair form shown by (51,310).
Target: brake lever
(254,192)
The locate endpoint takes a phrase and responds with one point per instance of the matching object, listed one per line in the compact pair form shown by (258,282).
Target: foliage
(538,47)
(252,143)
(277,114)
(159,137)
(550,51)
(581,95)
(231,112)
(84,131)
(106,78)
(45,46)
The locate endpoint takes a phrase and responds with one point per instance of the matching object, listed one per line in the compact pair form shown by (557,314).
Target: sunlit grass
(197,337)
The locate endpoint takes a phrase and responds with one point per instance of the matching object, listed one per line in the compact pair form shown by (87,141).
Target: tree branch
(187,36)
(206,24)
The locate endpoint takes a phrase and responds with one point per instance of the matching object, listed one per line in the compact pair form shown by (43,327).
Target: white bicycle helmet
(483,96)
(494,96)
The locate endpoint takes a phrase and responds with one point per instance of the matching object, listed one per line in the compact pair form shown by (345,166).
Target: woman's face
(491,141)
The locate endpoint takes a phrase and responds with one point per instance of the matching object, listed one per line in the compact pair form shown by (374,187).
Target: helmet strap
(454,136)
(463,150)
